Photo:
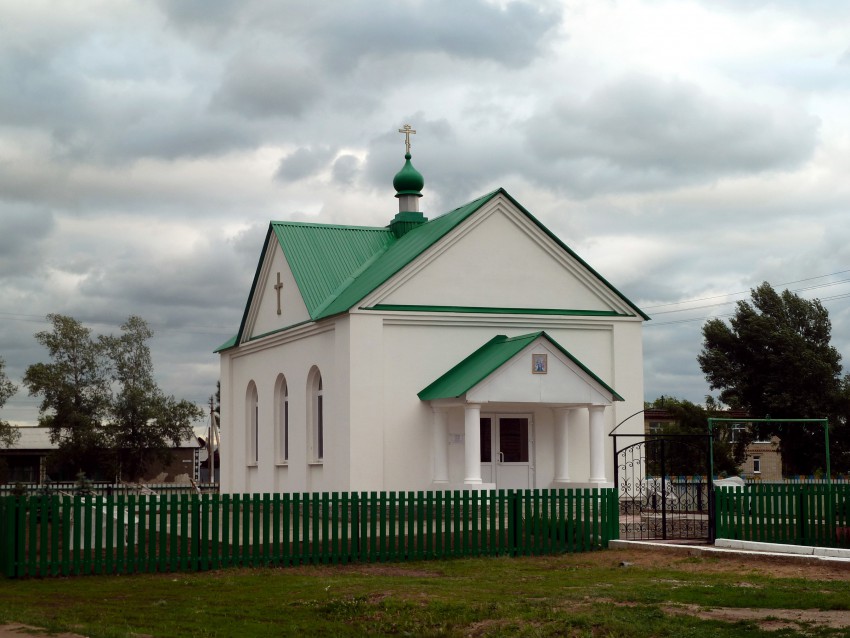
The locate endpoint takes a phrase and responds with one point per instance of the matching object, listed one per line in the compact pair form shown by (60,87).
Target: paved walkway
(729,547)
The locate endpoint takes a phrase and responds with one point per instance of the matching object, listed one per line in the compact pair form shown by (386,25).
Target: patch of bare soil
(768,619)
(775,566)
(17,630)
(372,569)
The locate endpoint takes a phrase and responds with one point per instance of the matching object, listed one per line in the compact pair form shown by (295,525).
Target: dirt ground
(16,630)
(776,567)
(766,619)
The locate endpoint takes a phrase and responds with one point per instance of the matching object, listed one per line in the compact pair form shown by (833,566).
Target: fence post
(514,521)
(802,513)
(10,511)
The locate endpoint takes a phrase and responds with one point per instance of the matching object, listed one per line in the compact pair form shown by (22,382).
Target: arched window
(316,417)
(282,419)
(252,418)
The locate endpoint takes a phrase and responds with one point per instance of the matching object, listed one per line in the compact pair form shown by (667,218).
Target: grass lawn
(656,594)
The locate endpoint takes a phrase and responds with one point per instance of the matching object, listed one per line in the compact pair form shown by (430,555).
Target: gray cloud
(23,232)
(127,124)
(511,35)
(262,86)
(303,163)
(349,33)
(640,133)
(345,169)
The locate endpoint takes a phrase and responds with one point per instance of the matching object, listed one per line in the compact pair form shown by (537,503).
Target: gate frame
(712,519)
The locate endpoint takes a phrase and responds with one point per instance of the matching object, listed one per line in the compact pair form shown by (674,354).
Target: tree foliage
(690,454)
(8,434)
(774,358)
(74,391)
(143,422)
(101,402)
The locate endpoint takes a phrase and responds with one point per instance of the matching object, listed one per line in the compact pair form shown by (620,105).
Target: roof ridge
(530,335)
(334,226)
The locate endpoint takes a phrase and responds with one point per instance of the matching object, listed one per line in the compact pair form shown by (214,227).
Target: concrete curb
(746,549)
(752,546)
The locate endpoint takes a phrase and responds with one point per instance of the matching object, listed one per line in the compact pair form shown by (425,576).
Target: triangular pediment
(530,368)
(275,302)
(562,381)
(500,258)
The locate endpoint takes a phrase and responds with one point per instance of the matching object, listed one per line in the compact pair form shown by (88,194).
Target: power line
(727,314)
(744,292)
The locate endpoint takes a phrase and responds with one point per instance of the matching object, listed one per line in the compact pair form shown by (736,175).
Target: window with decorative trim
(316,417)
(281,420)
(252,421)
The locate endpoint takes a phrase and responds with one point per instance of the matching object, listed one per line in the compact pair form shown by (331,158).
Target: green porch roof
(489,358)
(337,266)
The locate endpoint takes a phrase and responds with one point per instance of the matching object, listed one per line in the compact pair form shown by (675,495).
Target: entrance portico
(507,390)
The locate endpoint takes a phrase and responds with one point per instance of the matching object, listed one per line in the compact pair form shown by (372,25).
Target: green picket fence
(796,514)
(73,535)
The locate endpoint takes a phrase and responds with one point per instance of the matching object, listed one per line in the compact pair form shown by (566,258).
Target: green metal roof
(323,258)
(398,255)
(227,344)
(337,266)
(489,358)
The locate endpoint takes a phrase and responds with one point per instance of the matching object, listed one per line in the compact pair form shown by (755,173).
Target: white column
(441,445)
(472,445)
(562,444)
(597,444)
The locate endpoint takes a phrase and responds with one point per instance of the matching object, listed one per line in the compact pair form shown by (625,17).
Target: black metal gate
(664,486)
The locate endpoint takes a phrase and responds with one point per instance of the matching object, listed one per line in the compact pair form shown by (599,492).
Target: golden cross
(407,131)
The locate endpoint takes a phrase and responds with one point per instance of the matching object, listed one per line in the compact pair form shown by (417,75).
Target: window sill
(319,462)
(252,464)
(282,464)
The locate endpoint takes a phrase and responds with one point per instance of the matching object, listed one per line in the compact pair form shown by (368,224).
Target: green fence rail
(797,514)
(73,535)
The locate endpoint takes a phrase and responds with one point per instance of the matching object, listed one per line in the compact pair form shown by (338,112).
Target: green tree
(8,433)
(74,391)
(143,423)
(689,456)
(774,358)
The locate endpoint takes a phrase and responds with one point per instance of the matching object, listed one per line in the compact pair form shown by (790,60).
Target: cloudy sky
(686,150)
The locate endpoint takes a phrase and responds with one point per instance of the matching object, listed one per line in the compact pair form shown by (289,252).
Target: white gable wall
(262,315)
(515,382)
(498,259)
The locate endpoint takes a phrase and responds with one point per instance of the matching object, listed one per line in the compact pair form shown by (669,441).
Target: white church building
(474,350)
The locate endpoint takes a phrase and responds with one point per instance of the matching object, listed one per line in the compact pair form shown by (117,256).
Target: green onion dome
(408,181)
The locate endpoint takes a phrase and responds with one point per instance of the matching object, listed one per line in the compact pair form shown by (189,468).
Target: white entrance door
(506,451)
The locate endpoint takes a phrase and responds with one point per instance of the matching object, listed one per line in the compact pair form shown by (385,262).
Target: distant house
(763,459)
(26,461)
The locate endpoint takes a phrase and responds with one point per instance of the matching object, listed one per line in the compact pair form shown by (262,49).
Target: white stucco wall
(417,351)
(262,362)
